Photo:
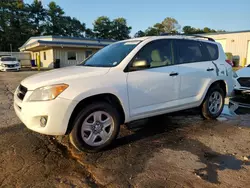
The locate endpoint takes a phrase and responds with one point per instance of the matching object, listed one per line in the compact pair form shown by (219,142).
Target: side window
(157,53)
(213,50)
(189,51)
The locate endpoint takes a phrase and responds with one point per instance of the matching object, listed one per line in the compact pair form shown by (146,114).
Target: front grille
(21,92)
(10,66)
(244,82)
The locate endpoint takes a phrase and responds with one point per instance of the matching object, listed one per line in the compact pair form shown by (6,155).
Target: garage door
(223,43)
(248,53)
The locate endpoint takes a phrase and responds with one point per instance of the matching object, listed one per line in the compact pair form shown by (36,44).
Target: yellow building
(238,43)
(69,50)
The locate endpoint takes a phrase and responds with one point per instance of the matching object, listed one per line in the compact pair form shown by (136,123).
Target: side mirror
(140,64)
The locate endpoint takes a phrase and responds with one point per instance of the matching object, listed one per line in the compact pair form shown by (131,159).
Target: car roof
(196,38)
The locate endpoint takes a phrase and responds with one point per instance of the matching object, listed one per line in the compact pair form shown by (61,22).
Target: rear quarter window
(189,51)
(213,50)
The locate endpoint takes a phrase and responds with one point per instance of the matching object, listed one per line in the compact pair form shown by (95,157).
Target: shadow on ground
(173,141)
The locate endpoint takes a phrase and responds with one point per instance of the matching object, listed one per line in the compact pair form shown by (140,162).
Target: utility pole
(11,49)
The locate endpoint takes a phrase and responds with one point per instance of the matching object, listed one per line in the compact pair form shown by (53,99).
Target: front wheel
(95,127)
(213,104)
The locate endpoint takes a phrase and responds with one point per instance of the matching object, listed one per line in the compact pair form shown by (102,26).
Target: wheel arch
(106,97)
(222,84)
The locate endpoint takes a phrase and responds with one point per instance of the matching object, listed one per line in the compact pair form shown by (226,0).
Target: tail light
(230,62)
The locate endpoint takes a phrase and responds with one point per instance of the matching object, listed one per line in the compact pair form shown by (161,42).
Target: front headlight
(48,92)
(1,64)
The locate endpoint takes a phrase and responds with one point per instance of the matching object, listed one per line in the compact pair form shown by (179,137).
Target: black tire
(205,112)
(75,135)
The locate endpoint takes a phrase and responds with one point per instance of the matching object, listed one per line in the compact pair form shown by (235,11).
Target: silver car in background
(9,63)
(242,85)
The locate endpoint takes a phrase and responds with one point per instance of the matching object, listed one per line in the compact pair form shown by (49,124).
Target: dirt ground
(177,150)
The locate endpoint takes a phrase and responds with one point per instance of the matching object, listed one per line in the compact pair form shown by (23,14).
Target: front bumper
(57,111)
(17,68)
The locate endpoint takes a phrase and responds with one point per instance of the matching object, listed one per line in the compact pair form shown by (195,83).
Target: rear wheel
(213,104)
(95,127)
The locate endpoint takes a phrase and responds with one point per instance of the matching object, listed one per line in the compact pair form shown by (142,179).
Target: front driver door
(154,90)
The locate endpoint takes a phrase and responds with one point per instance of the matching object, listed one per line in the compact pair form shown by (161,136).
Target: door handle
(210,69)
(174,74)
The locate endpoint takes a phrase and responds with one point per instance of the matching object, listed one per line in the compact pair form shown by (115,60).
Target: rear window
(212,49)
(8,59)
(189,51)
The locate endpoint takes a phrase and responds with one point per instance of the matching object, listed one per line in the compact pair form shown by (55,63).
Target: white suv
(125,81)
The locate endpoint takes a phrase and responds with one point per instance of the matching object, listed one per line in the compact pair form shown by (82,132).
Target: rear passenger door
(195,69)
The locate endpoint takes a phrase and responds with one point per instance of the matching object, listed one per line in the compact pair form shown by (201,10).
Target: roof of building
(229,32)
(69,41)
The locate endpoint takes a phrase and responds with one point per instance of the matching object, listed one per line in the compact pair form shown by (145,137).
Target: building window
(88,53)
(71,55)
(44,56)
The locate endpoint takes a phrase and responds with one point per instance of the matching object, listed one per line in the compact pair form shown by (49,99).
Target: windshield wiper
(90,65)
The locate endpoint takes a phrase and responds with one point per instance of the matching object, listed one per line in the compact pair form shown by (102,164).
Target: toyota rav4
(126,81)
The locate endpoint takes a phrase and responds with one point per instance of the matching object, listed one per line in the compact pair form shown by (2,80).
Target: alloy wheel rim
(215,102)
(97,128)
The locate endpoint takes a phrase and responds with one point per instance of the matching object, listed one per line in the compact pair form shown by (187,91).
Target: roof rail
(190,35)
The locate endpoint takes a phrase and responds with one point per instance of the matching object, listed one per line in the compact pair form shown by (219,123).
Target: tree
(103,27)
(188,30)
(106,29)
(14,25)
(54,23)
(120,30)
(73,27)
(192,30)
(140,33)
(89,33)
(168,25)
(151,31)
(37,17)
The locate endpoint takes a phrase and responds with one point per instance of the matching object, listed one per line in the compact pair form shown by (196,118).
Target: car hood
(9,62)
(62,75)
(244,72)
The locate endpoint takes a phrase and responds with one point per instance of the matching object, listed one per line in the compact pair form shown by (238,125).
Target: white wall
(236,43)
(48,62)
(62,54)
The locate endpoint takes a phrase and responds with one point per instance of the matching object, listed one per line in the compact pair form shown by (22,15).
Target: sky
(229,15)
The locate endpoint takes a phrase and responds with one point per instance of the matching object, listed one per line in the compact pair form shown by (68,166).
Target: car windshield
(111,55)
(8,59)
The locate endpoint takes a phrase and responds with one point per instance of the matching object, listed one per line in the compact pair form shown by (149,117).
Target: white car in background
(243,81)
(8,63)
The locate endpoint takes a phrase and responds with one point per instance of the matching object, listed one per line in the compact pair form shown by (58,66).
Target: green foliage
(168,25)
(37,17)
(14,24)
(140,33)
(116,29)
(152,31)
(120,30)
(103,27)
(20,21)
(191,30)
